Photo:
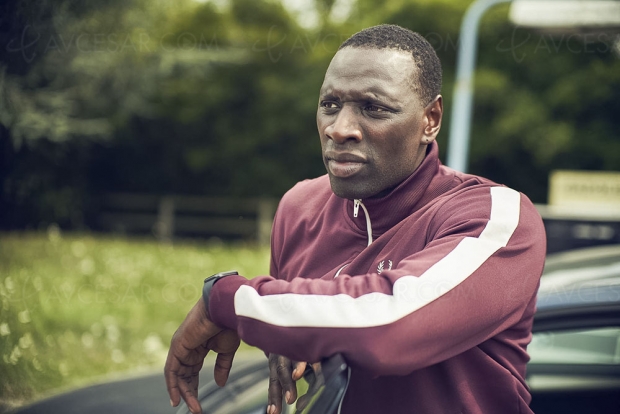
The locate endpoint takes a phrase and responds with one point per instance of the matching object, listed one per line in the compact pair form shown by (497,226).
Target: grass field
(78,308)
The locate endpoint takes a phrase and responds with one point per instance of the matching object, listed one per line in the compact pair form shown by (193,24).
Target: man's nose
(345,127)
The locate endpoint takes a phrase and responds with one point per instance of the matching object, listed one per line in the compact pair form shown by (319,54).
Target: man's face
(371,122)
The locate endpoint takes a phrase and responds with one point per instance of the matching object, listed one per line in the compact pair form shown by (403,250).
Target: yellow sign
(585,189)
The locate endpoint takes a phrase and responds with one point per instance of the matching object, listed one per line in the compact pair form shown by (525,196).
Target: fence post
(164,228)
(264,220)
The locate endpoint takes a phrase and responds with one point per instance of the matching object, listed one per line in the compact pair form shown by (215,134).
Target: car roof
(595,266)
(582,277)
(583,257)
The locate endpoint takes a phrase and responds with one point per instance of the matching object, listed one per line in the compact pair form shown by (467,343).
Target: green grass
(77,308)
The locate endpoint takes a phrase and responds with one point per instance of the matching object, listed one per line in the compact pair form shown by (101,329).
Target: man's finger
(186,379)
(298,370)
(225,344)
(274,393)
(171,375)
(223,364)
(285,376)
(193,405)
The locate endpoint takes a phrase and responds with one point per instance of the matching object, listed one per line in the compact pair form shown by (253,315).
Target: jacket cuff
(222,301)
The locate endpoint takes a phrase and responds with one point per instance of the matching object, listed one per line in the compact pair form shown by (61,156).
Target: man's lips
(343,164)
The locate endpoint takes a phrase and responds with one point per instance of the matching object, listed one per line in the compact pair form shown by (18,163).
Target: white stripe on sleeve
(409,293)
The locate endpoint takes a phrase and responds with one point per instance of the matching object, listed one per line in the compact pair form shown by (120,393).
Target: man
(422,277)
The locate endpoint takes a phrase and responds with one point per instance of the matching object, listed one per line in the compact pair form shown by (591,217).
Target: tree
(194,98)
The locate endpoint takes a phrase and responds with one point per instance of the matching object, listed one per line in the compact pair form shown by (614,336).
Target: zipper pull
(356,207)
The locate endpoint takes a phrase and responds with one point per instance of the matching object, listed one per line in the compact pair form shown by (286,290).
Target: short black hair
(390,36)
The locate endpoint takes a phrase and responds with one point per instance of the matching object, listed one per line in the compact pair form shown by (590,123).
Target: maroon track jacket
(428,292)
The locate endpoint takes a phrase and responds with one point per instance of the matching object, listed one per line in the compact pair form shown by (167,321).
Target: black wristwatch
(210,281)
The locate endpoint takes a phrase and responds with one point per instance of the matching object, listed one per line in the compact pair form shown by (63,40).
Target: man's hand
(189,346)
(283,373)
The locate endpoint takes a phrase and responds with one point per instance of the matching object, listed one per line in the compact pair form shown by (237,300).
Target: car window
(584,346)
(249,396)
(251,399)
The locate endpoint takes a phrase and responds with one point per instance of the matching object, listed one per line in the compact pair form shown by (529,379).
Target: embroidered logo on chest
(381,266)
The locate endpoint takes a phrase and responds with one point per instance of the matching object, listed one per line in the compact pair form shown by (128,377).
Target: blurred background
(144,146)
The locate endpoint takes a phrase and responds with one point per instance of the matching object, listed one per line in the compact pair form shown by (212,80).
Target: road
(143,394)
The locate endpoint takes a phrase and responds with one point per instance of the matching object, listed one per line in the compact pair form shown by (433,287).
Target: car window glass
(302,388)
(584,346)
(249,400)
(243,394)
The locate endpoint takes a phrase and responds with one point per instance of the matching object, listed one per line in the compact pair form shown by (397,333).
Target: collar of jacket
(402,201)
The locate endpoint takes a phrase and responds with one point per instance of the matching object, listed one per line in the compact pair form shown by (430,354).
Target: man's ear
(432,119)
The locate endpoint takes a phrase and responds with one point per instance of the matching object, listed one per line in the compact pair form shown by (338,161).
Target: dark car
(575,349)
(574,367)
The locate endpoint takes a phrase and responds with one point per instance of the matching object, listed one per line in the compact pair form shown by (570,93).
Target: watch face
(221,274)
(228,273)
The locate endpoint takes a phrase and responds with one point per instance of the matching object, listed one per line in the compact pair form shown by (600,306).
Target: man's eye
(374,108)
(329,105)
